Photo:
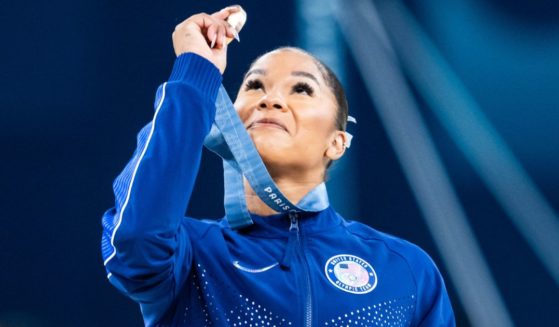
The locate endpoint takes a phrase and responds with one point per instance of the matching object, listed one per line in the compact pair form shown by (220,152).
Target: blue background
(77,82)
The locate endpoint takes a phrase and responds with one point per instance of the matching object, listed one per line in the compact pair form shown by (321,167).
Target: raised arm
(146,252)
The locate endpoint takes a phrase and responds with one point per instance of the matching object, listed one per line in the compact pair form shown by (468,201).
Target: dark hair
(332,82)
(337,89)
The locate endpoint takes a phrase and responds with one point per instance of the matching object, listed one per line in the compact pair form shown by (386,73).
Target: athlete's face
(290,112)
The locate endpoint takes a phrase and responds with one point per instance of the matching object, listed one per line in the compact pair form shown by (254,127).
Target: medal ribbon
(229,139)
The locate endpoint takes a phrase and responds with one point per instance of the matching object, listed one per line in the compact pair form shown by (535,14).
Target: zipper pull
(291,241)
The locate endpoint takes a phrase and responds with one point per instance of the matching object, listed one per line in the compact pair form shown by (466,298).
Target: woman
(306,269)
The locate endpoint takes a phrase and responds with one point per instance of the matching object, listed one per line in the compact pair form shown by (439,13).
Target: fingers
(225,12)
(217,35)
(221,40)
(230,31)
(214,29)
(226,34)
(212,35)
(221,34)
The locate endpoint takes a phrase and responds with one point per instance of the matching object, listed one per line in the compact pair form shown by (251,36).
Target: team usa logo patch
(351,274)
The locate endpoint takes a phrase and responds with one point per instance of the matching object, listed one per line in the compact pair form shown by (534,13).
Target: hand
(206,35)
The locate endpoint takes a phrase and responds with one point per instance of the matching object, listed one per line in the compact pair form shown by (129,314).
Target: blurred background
(456,147)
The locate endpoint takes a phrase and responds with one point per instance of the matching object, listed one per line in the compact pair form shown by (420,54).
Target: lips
(271,122)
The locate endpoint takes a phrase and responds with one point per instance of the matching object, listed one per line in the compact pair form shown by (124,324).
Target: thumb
(226,12)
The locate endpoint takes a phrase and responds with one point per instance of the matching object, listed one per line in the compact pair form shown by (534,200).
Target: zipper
(292,241)
(294,230)
(294,226)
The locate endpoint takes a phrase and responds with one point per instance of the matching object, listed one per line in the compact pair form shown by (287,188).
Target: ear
(337,145)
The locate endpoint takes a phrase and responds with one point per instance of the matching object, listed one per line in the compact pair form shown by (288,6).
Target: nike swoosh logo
(252,270)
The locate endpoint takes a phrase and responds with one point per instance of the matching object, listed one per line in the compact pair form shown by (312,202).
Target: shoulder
(199,228)
(432,303)
(418,261)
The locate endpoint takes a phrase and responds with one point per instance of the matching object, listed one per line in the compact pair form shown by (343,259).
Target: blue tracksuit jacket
(301,270)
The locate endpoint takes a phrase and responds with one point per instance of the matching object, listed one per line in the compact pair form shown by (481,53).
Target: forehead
(287,61)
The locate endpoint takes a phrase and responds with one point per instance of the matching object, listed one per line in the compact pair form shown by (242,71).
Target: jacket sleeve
(433,308)
(146,251)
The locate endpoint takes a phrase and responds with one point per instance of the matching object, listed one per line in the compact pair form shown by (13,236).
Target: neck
(294,190)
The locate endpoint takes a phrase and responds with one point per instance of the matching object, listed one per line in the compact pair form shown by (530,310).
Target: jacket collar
(278,224)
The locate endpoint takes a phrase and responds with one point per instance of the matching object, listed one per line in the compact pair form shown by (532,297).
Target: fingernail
(236,35)
(213,42)
(223,41)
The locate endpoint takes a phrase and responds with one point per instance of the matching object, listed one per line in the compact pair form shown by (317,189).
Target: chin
(272,148)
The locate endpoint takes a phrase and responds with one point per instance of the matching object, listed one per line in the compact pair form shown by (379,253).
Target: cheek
(242,109)
(313,136)
(316,124)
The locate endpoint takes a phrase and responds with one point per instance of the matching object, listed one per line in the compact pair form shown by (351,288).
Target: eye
(303,88)
(254,84)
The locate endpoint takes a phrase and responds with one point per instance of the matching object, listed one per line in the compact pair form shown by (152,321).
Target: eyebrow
(294,73)
(305,74)
(255,71)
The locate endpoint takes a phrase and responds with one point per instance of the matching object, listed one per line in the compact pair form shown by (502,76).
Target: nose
(271,102)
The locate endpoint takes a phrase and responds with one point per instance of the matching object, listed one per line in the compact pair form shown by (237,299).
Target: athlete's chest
(325,281)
